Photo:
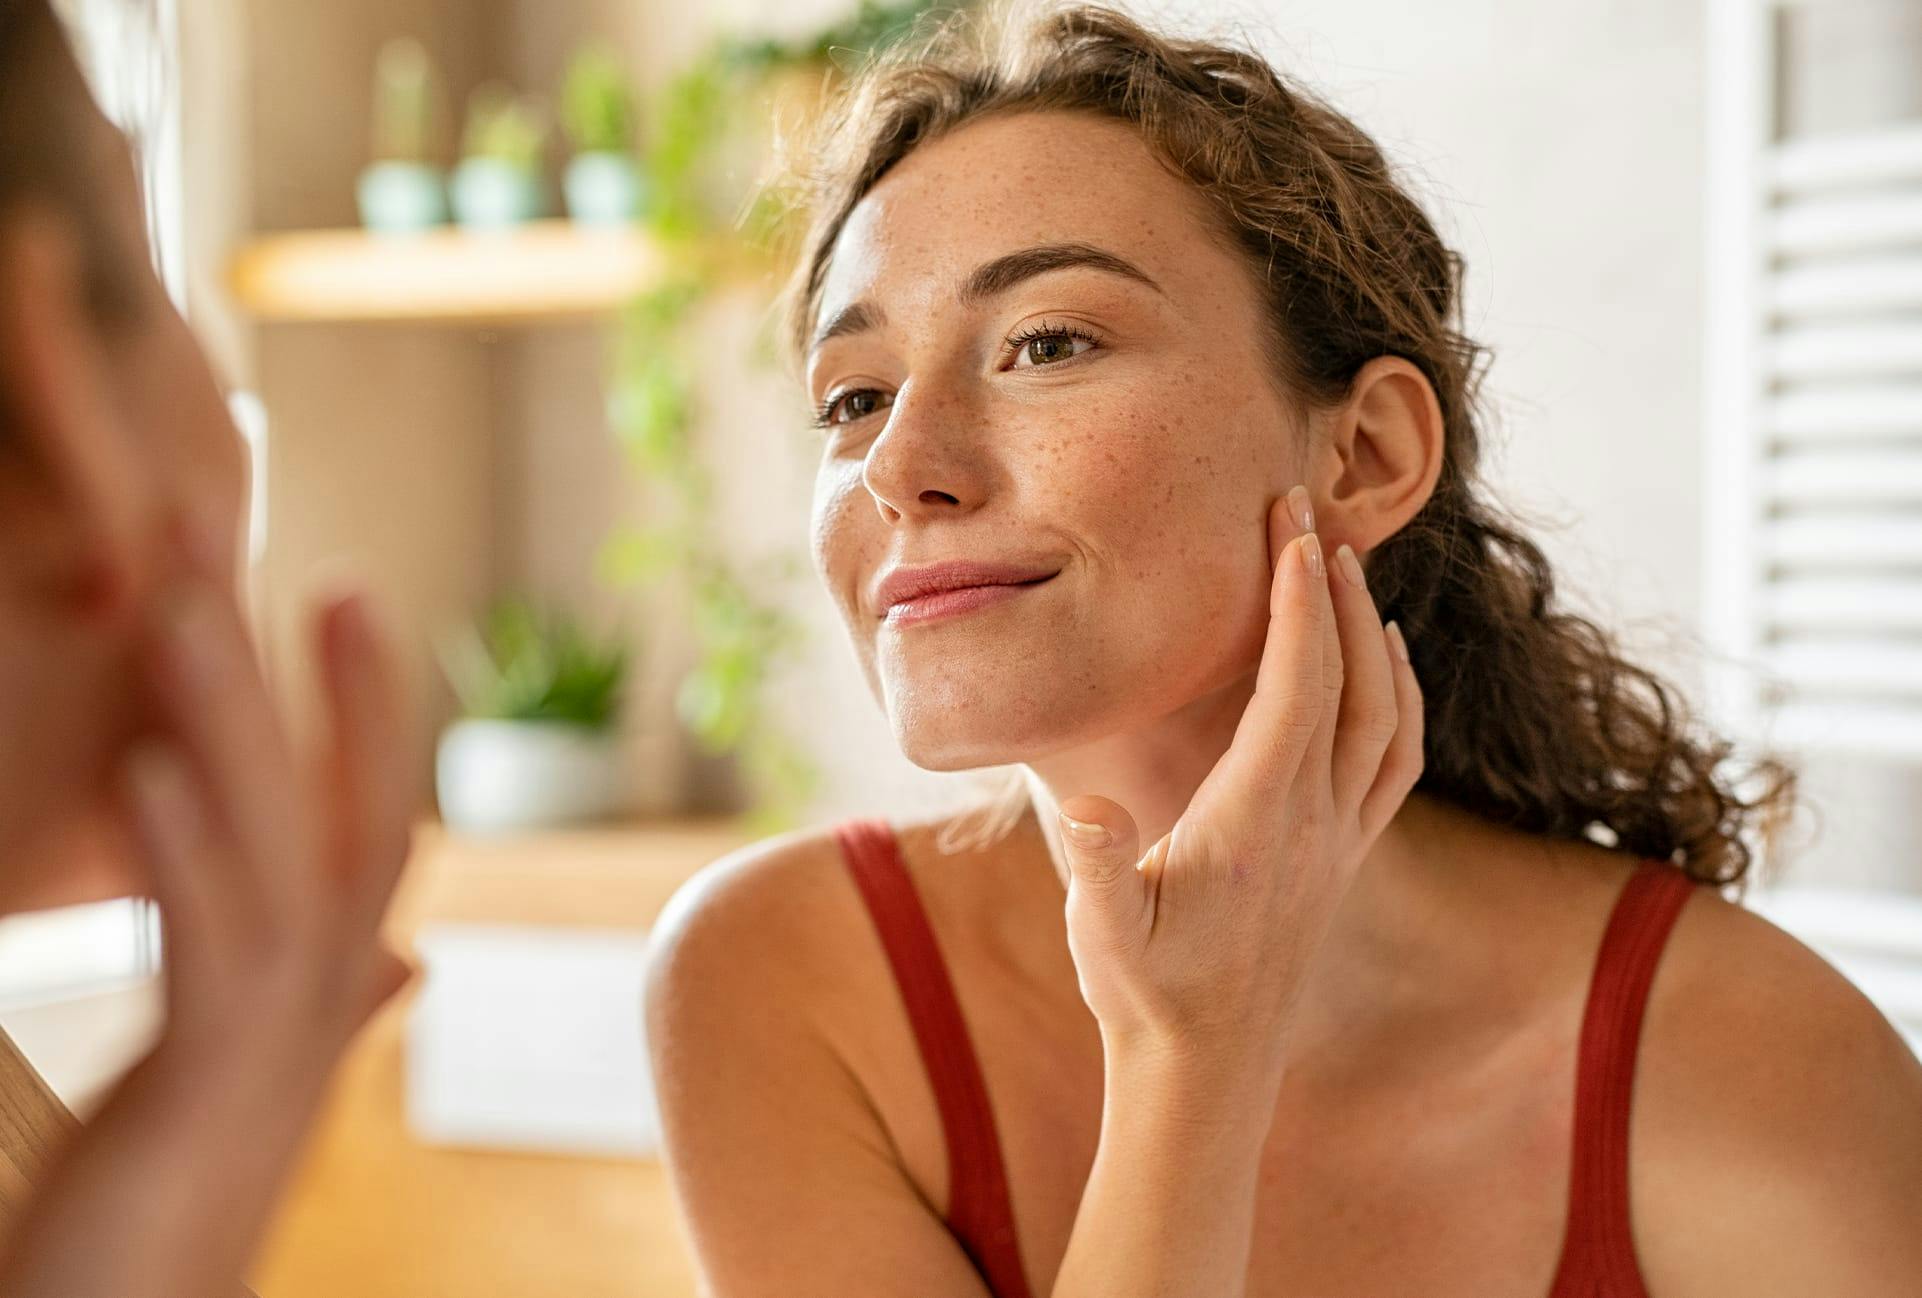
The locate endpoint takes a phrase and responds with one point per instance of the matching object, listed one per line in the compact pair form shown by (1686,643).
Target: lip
(913,594)
(962,599)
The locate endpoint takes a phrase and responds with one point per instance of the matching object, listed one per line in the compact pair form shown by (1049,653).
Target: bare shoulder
(1778,1113)
(773,1058)
(773,939)
(761,921)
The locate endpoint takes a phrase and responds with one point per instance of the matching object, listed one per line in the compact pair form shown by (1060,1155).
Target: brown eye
(1050,344)
(1050,347)
(858,403)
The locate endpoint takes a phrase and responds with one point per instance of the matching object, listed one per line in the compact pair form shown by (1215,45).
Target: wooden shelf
(546,270)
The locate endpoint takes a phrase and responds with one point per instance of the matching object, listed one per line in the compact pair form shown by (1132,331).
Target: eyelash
(824,414)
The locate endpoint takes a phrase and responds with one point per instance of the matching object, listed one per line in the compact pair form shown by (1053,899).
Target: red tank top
(1598,1252)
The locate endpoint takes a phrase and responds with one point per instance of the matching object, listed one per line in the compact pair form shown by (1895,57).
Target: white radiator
(1813,400)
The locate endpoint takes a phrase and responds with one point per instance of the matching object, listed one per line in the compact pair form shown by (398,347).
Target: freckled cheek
(1148,478)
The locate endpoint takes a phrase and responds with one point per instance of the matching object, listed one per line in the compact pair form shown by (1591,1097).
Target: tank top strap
(980,1211)
(1598,1249)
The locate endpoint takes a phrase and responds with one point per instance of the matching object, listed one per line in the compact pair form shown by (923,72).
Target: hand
(1197,950)
(273,869)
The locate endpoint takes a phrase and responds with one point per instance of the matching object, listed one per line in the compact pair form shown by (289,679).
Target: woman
(1341,988)
(139,750)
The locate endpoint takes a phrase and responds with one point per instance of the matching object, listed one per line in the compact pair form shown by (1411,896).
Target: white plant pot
(603,189)
(500,776)
(491,194)
(401,197)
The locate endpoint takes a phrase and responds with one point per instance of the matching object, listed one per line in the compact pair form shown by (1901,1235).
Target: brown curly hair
(1535,719)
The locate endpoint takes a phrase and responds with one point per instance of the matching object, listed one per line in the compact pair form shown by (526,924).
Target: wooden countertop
(373,1214)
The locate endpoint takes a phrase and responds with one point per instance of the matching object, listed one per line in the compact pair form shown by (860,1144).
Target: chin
(946,754)
(940,736)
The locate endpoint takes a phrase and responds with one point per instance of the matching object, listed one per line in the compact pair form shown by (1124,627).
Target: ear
(55,409)
(1390,440)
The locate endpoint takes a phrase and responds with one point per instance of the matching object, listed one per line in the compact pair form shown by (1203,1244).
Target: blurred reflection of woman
(1132,361)
(139,749)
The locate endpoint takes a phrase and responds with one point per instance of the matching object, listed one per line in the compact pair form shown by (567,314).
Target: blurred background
(490,283)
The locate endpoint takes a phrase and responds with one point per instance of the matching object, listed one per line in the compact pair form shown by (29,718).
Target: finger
(1368,705)
(209,690)
(1319,758)
(1109,899)
(169,831)
(1250,782)
(203,547)
(1401,765)
(368,798)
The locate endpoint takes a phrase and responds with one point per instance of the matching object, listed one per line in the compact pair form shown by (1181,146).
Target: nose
(929,460)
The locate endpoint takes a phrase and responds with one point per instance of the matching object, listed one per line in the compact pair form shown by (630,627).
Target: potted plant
(538,741)
(603,180)
(498,183)
(401,190)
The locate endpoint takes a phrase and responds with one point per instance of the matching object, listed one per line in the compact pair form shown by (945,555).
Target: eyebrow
(991,279)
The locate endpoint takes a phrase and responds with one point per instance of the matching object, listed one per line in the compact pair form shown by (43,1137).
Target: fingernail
(1311,555)
(1350,565)
(1395,638)
(1084,833)
(1299,508)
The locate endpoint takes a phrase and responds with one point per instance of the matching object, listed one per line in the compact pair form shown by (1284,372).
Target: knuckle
(1206,840)
(1379,724)
(1300,712)
(1099,876)
(1311,821)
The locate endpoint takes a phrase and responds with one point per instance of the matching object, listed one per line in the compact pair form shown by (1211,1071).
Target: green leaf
(597,101)
(528,664)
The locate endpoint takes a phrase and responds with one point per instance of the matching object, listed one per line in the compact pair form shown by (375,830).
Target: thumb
(1101,844)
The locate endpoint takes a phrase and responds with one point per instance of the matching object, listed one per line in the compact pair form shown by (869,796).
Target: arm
(141,1159)
(1192,956)
(786,1176)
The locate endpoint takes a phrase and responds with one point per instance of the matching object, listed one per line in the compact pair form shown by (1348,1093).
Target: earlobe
(55,411)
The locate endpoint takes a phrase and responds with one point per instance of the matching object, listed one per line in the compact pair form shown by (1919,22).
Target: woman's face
(138,404)
(1119,429)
